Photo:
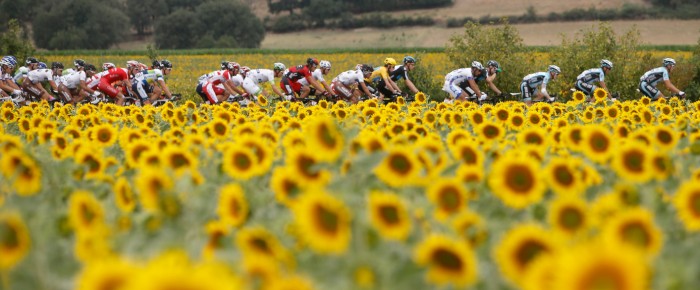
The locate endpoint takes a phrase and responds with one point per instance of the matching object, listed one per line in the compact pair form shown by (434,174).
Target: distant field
(654,32)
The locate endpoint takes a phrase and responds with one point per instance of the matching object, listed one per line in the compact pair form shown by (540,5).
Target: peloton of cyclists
(488,75)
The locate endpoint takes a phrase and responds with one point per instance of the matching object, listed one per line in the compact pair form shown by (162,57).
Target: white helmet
(669,61)
(555,69)
(325,64)
(279,66)
(606,63)
(477,65)
(108,65)
(133,64)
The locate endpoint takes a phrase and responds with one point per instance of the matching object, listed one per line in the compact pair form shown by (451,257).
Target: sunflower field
(276,195)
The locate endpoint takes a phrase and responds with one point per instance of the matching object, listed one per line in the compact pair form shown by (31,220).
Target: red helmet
(311,61)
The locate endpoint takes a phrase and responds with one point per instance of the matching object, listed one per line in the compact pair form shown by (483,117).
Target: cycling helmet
(156,64)
(90,67)
(132,64)
(367,69)
(56,65)
(669,61)
(325,64)
(493,63)
(166,64)
(606,63)
(7,60)
(245,70)
(234,65)
(555,69)
(12,59)
(79,63)
(311,61)
(389,61)
(224,64)
(477,65)
(108,65)
(280,66)
(31,60)
(409,59)
(42,65)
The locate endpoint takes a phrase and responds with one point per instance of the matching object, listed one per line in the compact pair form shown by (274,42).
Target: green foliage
(693,89)
(590,46)
(500,43)
(184,28)
(423,77)
(22,10)
(85,24)
(14,41)
(144,13)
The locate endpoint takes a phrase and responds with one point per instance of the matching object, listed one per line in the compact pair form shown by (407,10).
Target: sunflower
(467,152)
(233,206)
(173,270)
(634,227)
(259,242)
(305,165)
(532,136)
(399,167)
(573,137)
(104,134)
(364,277)
(469,174)
(389,215)
(240,163)
(592,266)
(469,226)
(152,185)
(631,162)
(23,169)
(563,176)
(84,212)
(420,98)
(515,181)
(687,202)
(14,240)
(325,138)
(598,143)
(324,222)
(449,196)
(516,121)
(294,282)
(541,274)
(521,246)
(664,137)
(567,215)
(218,128)
(109,274)
(449,261)
(285,186)
(179,160)
(578,96)
(600,94)
(92,163)
(489,131)
(124,195)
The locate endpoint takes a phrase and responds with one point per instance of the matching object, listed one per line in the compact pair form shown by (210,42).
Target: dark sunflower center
(261,245)
(87,214)
(104,135)
(563,176)
(636,233)
(491,131)
(634,161)
(8,236)
(520,179)
(695,203)
(527,252)
(389,214)
(664,137)
(179,160)
(449,199)
(447,260)
(469,156)
(242,161)
(571,219)
(517,120)
(400,164)
(327,220)
(599,142)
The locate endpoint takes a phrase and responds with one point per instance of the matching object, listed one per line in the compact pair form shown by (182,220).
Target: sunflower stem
(4,276)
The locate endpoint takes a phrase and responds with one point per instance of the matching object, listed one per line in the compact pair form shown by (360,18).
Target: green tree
(22,10)
(239,26)
(319,11)
(500,43)
(174,5)
(15,42)
(79,24)
(693,90)
(143,13)
(590,46)
(177,30)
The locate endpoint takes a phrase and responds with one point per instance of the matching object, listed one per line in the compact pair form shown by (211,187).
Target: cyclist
(254,78)
(345,85)
(532,81)
(489,75)
(306,90)
(383,82)
(7,84)
(113,74)
(401,72)
(30,64)
(74,86)
(289,83)
(584,81)
(35,79)
(648,81)
(457,76)
(145,82)
(220,83)
(92,83)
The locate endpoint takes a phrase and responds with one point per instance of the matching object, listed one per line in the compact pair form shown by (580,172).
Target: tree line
(94,24)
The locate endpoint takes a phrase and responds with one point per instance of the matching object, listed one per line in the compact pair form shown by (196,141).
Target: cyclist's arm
(314,83)
(602,85)
(364,88)
(544,90)
(276,89)
(326,85)
(475,87)
(54,87)
(489,81)
(165,88)
(231,87)
(671,87)
(391,83)
(411,86)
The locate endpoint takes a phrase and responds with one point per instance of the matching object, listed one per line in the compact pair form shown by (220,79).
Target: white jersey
(317,75)
(258,76)
(237,80)
(350,77)
(459,75)
(72,80)
(40,75)
(94,81)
